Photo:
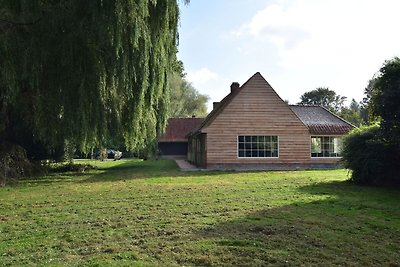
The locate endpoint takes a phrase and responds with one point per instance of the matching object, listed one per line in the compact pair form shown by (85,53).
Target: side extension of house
(173,143)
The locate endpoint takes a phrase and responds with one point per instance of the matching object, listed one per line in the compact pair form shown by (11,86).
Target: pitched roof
(222,104)
(316,118)
(178,128)
(320,120)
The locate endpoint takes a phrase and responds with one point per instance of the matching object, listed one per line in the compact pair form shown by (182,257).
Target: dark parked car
(114,154)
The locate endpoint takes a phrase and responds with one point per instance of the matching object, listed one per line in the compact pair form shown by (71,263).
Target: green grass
(148,213)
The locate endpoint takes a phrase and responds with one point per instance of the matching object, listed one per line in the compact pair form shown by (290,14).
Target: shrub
(14,164)
(372,160)
(70,167)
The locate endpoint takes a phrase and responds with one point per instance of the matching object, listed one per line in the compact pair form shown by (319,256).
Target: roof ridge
(304,105)
(186,118)
(340,118)
(223,103)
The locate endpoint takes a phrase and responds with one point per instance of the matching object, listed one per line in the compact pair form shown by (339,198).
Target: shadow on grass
(346,224)
(52,178)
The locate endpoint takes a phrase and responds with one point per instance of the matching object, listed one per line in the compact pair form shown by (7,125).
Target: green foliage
(185,100)
(370,157)
(384,97)
(353,113)
(14,164)
(373,154)
(324,97)
(367,111)
(83,72)
(70,167)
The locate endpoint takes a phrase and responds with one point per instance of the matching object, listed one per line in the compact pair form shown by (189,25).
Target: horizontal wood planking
(258,110)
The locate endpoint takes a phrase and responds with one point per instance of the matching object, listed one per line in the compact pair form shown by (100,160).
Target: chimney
(215,105)
(234,86)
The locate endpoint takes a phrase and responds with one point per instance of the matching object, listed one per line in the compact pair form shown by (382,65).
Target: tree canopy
(384,99)
(186,101)
(83,72)
(325,97)
(353,113)
(373,153)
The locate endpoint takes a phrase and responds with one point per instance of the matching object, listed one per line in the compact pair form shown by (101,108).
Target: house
(253,128)
(174,143)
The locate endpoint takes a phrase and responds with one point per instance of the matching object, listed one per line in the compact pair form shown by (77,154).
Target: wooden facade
(254,109)
(197,150)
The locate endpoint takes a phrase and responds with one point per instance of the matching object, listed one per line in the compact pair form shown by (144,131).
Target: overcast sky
(297,45)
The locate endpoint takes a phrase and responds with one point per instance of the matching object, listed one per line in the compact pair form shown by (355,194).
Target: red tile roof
(178,128)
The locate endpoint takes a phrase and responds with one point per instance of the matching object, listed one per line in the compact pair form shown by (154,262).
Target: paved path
(184,165)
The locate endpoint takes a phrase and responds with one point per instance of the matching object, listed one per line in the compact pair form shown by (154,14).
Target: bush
(14,164)
(372,159)
(70,167)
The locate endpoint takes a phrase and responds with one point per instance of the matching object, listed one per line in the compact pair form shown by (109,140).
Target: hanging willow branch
(15,23)
(88,71)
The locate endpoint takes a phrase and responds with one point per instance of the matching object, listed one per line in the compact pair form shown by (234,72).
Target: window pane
(254,146)
(275,146)
(268,146)
(325,146)
(315,145)
(257,146)
(261,146)
(337,145)
(248,153)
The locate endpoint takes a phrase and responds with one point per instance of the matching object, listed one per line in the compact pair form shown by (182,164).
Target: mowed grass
(148,213)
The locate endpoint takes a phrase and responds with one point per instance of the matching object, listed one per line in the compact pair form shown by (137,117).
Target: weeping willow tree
(83,72)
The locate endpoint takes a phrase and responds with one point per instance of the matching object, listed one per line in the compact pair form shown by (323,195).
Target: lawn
(148,213)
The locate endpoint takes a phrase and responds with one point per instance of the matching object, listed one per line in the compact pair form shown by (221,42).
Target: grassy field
(148,213)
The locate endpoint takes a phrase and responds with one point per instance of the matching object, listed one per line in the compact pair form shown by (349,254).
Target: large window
(252,146)
(325,146)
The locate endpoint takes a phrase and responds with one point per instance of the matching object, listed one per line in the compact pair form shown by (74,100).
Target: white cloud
(208,82)
(274,24)
(201,76)
(338,43)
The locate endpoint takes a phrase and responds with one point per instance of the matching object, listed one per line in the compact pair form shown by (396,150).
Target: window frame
(325,157)
(258,157)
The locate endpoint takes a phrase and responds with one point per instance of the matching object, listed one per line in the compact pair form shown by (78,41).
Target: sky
(297,45)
